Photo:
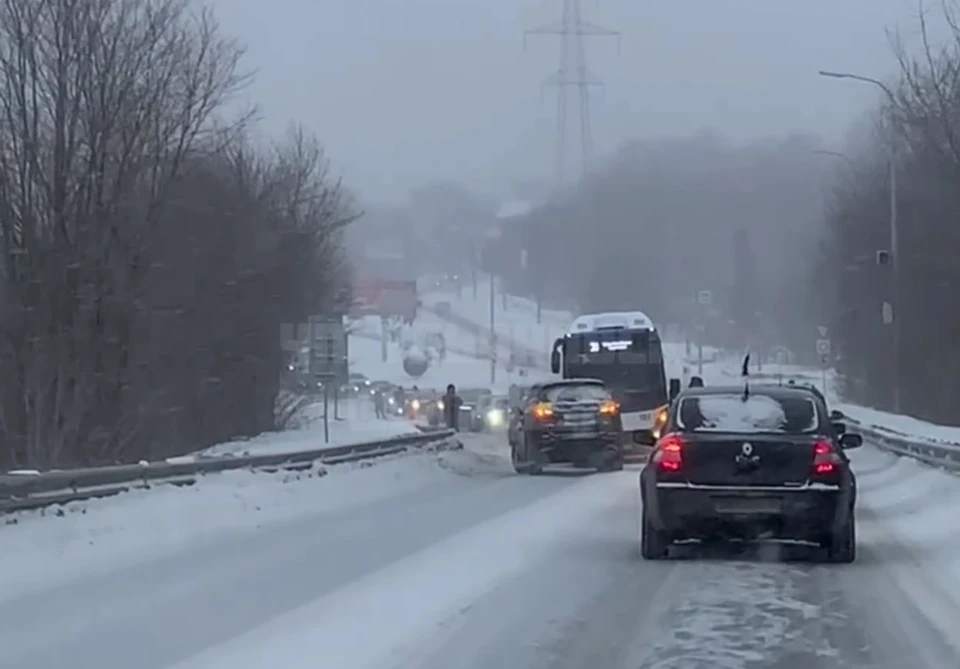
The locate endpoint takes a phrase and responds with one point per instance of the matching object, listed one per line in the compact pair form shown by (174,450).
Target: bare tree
(142,240)
(921,122)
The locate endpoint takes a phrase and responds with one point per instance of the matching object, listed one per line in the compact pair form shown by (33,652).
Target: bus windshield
(630,363)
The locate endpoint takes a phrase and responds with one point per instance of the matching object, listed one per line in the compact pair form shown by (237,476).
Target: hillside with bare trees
(668,218)
(914,270)
(151,245)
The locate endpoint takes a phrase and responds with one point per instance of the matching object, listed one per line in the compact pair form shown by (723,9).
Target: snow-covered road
(475,567)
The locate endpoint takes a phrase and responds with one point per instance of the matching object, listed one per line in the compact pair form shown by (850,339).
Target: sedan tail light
(668,454)
(826,461)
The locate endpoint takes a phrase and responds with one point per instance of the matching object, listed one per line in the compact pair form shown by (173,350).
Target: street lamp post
(894,236)
(835,154)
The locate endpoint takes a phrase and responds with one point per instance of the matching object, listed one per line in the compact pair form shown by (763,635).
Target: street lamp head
(835,75)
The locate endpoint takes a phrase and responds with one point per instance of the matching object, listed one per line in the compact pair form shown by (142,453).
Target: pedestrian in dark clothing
(379,402)
(451,407)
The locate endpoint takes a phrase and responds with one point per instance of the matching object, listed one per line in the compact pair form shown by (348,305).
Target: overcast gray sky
(408,91)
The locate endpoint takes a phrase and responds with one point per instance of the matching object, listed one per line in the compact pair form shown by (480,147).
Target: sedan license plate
(757,505)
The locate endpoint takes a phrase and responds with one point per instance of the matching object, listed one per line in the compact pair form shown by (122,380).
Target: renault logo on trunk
(745,458)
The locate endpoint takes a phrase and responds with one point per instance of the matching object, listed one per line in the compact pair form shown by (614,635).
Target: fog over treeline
(788,234)
(666,219)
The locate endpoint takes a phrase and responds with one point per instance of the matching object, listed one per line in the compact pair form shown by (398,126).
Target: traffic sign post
(705,300)
(823,350)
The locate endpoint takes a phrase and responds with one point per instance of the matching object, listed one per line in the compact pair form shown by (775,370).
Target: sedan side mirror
(836,415)
(850,440)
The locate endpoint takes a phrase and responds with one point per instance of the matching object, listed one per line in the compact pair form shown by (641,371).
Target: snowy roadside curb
(33,490)
(910,512)
(99,536)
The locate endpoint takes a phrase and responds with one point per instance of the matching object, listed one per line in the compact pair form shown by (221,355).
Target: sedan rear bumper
(806,513)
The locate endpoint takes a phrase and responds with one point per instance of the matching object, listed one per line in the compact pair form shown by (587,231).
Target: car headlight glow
(391,400)
(440,405)
(415,405)
(495,417)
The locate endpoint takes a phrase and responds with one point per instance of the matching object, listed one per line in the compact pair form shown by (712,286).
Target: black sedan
(749,463)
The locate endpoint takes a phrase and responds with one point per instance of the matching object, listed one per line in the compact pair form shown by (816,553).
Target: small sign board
(822,329)
(328,347)
(705,298)
(823,347)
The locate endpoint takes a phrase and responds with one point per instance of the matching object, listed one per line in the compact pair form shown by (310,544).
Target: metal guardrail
(32,490)
(943,455)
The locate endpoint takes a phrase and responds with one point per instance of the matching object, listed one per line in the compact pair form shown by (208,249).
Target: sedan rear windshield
(759,413)
(575,393)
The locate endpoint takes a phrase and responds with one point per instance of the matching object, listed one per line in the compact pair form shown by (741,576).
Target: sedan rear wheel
(654,545)
(842,548)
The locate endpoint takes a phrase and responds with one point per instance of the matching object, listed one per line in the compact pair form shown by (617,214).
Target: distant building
(510,211)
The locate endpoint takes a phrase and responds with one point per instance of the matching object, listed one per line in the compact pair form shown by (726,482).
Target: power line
(572,72)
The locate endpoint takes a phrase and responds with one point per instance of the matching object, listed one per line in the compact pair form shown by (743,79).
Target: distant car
(471,408)
(356,384)
(736,464)
(434,411)
(496,413)
(572,421)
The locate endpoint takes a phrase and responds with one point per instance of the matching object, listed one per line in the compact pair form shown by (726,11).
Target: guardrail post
(326,413)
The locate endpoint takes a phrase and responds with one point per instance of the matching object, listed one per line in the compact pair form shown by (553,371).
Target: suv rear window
(760,413)
(575,392)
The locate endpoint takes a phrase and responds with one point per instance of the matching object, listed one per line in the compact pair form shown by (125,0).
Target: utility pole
(890,314)
(493,332)
(572,72)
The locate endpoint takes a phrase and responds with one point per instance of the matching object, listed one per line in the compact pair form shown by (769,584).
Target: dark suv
(571,421)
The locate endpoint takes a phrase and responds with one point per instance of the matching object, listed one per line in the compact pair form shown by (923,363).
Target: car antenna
(745,373)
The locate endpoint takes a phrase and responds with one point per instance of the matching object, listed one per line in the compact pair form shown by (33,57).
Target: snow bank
(457,369)
(915,509)
(42,548)
(355,426)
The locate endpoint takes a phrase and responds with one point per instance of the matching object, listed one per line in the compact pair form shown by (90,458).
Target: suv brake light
(543,411)
(610,409)
(826,461)
(668,454)
(660,420)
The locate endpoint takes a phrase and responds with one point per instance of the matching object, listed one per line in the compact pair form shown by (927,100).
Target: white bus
(623,350)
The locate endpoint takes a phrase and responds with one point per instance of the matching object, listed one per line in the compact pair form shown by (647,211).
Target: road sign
(886,313)
(823,347)
(705,298)
(822,329)
(328,347)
